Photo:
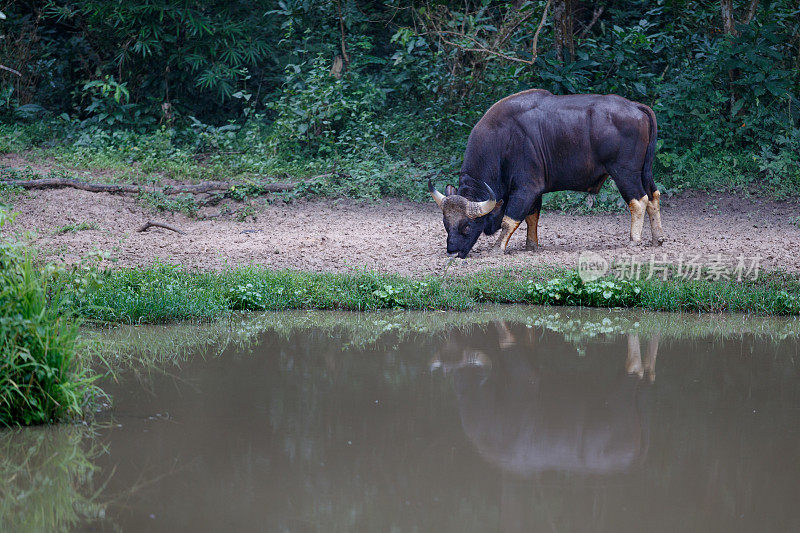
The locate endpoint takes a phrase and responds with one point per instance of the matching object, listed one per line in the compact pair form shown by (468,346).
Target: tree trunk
(728,22)
(729,26)
(562,29)
(751,12)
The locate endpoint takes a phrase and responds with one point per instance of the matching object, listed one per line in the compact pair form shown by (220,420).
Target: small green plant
(179,203)
(9,193)
(573,291)
(246,211)
(109,105)
(76,227)
(247,297)
(315,107)
(389,295)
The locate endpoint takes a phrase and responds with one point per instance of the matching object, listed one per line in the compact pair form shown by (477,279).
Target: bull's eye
(464,229)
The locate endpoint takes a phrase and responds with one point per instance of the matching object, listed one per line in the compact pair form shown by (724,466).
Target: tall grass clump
(40,377)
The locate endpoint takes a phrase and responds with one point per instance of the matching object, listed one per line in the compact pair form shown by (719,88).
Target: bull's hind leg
(630,186)
(532,220)
(637,209)
(654,212)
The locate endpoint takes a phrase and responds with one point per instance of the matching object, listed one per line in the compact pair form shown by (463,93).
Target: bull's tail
(648,182)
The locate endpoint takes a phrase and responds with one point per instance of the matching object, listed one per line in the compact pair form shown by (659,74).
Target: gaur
(535,142)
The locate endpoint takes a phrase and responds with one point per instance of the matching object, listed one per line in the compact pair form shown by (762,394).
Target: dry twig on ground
(150,224)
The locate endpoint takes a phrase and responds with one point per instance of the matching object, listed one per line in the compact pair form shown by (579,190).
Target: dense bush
(40,377)
(314,80)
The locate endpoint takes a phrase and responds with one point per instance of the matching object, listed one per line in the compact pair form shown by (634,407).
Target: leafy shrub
(109,106)
(247,297)
(573,291)
(787,303)
(315,106)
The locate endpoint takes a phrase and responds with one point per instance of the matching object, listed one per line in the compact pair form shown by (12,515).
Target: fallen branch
(122,188)
(535,45)
(11,70)
(150,224)
(595,16)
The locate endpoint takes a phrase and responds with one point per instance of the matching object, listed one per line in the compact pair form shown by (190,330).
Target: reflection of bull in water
(527,420)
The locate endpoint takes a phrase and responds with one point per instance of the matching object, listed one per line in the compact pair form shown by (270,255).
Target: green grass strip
(163,293)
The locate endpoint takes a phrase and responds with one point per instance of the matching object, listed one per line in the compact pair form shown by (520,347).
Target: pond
(505,419)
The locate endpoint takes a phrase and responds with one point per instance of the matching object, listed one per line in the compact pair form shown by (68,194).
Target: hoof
(658,241)
(634,368)
(531,246)
(634,244)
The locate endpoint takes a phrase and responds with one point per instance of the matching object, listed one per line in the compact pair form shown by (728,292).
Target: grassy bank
(41,379)
(162,293)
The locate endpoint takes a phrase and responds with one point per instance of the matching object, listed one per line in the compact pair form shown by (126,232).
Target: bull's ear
(450,190)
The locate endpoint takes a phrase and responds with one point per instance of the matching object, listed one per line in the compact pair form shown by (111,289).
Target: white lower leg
(637,209)
(507,228)
(654,212)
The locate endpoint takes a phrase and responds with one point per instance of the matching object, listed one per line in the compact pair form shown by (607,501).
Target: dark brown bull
(534,142)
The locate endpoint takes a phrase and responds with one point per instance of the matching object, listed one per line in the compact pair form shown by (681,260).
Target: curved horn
(437,196)
(491,192)
(479,209)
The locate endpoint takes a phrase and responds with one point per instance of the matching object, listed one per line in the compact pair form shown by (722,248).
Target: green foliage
(40,377)
(108,105)
(163,292)
(180,203)
(573,291)
(232,88)
(9,193)
(315,106)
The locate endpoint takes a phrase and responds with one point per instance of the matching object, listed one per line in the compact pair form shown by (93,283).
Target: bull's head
(464,219)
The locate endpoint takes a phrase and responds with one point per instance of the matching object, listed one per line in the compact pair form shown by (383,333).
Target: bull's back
(570,140)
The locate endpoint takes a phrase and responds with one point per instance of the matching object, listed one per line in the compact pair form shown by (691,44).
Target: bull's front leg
(519,205)
(507,228)
(532,240)
(532,220)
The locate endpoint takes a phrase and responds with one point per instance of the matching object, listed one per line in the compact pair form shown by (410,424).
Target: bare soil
(392,236)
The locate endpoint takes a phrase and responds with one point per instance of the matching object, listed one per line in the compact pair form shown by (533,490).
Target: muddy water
(496,426)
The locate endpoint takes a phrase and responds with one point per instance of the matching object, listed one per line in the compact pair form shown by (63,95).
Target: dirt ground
(393,236)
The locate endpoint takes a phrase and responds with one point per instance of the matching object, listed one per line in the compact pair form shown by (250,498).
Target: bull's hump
(515,104)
